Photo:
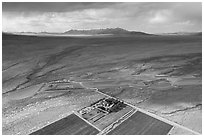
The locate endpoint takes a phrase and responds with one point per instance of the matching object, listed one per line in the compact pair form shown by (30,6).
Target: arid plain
(159,74)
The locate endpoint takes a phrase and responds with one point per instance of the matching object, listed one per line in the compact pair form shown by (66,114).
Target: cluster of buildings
(59,81)
(106,105)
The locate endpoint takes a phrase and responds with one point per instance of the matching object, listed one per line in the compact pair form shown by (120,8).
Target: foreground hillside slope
(160,74)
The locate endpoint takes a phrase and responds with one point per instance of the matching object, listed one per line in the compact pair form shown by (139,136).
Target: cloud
(161,16)
(51,6)
(59,17)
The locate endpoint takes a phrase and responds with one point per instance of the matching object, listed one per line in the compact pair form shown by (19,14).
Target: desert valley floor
(46,79)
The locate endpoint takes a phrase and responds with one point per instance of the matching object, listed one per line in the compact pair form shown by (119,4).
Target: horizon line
(99,29)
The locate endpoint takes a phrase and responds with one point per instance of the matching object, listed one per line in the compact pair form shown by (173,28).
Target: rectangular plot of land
(141,124)
(70,125)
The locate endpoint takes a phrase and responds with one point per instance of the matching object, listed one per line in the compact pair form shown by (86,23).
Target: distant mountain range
(183,33)
(110,31)
(99,32)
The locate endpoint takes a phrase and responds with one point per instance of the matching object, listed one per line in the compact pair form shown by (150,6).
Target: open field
(141,124)
(71,125)
(160,74)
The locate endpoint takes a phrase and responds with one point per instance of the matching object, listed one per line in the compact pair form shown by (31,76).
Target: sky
(134,16)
